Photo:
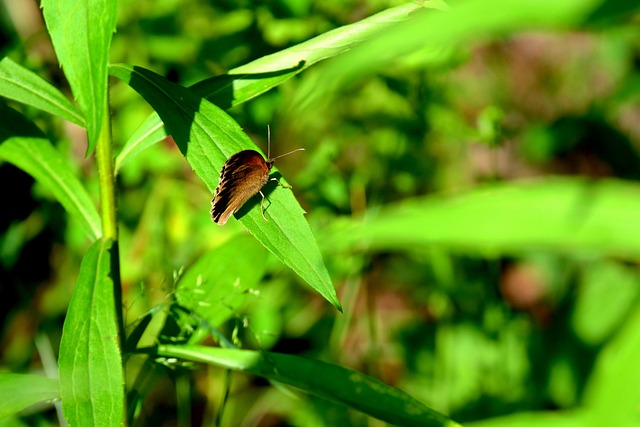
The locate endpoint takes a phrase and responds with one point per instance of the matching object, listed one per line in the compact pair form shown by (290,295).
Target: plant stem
(108,210)
(104,155)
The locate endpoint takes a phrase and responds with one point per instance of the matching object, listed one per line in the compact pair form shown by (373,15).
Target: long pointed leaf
(561,214)
(250,80)
(91,375)
(25,86)
(432,32)
(328,381)
(207,136)
(19,391)
(22,144)
(81,33)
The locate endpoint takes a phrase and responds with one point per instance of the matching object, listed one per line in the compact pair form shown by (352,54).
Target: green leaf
(433,31)
(147,134)
(218,283)
(207,136)
(612,394)
(611,281)
(91,375)
(19,391)
(322,379)
(81,33)
(250,80)
(558,214)
(25,86)
(536,419)
(23,145)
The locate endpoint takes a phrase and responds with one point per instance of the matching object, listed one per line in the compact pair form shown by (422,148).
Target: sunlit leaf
(25,86)
(91,374)
(19,391)
(536,419)
(612,394)
(81,32)
(250,80)
(554,214)
(430,32)
(207,136)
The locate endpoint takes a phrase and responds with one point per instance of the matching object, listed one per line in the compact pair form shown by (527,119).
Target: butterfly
(242,176)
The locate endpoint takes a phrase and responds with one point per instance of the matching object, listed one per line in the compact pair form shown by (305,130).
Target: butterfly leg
(262,206)
(279,183)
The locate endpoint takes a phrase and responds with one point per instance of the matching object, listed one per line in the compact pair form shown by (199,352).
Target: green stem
(104,155)
(106,176)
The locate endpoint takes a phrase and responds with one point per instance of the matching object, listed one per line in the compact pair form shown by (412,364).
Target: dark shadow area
(25,266)
(220,89)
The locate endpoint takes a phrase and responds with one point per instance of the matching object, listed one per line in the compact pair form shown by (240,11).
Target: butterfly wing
(242,176)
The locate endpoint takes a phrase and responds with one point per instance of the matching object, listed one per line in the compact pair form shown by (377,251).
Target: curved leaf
(432,32)
(250,80)
(562,214)
(22,144)
(322,379)
(91,375)
(207,136)
(81,33)
(25,86)
(612,394)
(19,391)
(573,418)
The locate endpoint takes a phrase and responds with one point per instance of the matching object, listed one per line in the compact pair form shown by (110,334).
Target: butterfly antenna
(268,142)
(286,154)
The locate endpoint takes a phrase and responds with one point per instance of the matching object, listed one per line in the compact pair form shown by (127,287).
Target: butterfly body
(243,176)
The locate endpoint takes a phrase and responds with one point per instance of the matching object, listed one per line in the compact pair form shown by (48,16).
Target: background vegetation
(469,177)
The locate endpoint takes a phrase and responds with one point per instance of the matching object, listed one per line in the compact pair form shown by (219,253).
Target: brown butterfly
(242,176)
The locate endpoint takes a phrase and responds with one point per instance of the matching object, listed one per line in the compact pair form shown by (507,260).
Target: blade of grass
(560,214)
(431,32)
(322,379)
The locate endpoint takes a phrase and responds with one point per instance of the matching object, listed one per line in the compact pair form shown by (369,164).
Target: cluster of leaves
(383,147)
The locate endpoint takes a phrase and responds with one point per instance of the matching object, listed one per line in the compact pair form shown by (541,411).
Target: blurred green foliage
(474,331)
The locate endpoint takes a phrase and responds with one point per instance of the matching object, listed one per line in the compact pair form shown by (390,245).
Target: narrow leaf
(23,145)
(612,393)
(19,391)
(91,375)
(25,86)
(81,32)
(146,135)
(250,80)
(434,31)
(322,379)
(572,418)
(217,283)
(207,136)
(567,214)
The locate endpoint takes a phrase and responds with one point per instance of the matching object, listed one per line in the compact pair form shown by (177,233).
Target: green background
(471,180)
